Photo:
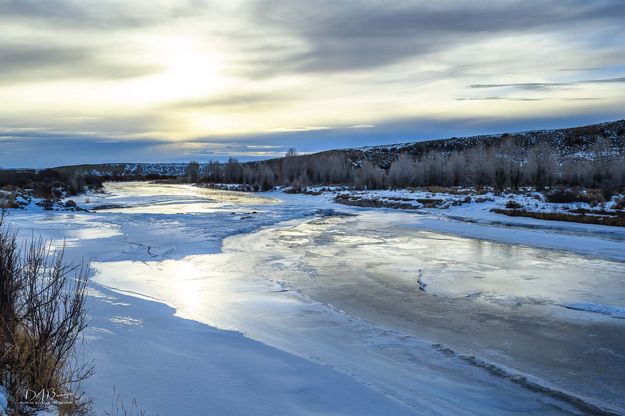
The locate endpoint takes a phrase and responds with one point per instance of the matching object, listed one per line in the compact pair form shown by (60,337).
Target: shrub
(566,196)
(512,204)
(595,198)
(8,201)
(48,183)
(619,203)
(42,313)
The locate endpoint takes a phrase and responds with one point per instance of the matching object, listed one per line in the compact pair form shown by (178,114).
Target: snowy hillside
(571,143)
(130,169)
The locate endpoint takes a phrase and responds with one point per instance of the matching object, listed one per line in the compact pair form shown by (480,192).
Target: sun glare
(189,71)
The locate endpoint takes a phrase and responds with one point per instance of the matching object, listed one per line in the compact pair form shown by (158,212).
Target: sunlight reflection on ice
(144,198)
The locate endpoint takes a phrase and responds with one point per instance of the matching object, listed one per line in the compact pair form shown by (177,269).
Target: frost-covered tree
(402,171)
(480,167)
(455,169)
(541,164)
(291,168)
(603,166)
(369,176)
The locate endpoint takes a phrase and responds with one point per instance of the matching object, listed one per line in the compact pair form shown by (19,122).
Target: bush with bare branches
(42,317)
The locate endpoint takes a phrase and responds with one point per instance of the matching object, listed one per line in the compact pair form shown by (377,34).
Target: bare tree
(291,168)
(233,172)
(541,165)
(265,178)
(192,172)
(402,171)
(480,167)
(212,172)
(291,152)
(603,167)
(513,155)
(455,169)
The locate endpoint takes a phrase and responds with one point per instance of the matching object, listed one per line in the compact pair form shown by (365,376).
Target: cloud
(549,85)
(103,15)
(336,36)
(596,68)
(23,62)
(112,127)
(494,98)
(299,128)
(491,98)
(231,100)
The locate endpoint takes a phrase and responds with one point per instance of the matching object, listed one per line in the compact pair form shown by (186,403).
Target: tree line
(48,183)
(506,164)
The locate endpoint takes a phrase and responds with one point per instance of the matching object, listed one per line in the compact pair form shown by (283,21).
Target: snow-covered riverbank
(336,303)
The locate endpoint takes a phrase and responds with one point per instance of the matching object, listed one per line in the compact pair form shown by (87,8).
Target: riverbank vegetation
(46,187)
(589,157)
(42,318)
(505,165)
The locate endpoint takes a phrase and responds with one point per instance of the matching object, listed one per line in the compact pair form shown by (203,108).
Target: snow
(176,366)
(476,220)
(466,200)
(206,301)
(132,169)
(3,400)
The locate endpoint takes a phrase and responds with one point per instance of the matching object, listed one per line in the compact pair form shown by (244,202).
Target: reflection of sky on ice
(370,247)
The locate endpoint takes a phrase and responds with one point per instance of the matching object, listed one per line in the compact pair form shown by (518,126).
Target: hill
(569,143)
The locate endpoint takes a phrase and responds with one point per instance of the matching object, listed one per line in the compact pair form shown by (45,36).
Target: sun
(192,70)
(188,70)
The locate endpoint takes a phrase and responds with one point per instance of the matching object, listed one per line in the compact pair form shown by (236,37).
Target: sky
(94,81)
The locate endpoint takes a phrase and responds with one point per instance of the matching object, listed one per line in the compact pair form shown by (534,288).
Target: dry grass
(619,203)
(615,221)
(8,201)
(119,408)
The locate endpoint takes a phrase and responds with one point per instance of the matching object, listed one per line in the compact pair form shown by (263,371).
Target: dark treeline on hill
(48,183)
(591,156)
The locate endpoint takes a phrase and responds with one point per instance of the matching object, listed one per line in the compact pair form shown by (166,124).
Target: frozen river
(344,310)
